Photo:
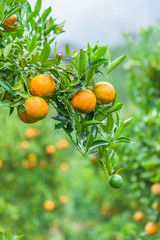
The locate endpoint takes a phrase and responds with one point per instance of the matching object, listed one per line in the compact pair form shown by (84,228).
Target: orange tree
(142,167)
(25,40)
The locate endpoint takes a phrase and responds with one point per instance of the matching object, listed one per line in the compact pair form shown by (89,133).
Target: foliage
(25,53)
(141,160)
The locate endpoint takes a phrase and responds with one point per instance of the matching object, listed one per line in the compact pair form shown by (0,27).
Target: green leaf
(118,131)
(55,50)
(90,75)
(17,102)
(60,125)
(49,63)
(46,13)
(6,50)
(90,123)
(5,103)
(123,139)
(33,43)
(100,62)
(77,123)
(45,53)
(115,63)
(14,10)
(67,50)
(99,143)
(107,110)
(60,118)
(7,87)
(48,30)
(18,85)
(2,7)
(38,5)
(128,122)
(82,62)
(8,2)
(91,137)
(74,54)
(110,123)
(100,52)
(31,15)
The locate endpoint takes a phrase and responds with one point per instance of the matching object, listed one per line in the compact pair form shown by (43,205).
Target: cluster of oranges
(84,101)
(151,228)
(36,107)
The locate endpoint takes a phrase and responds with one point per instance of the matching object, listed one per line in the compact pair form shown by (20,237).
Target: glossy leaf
(45,53)
(82,62)
(115,63)
(2,7)
(90,75)
(67,50)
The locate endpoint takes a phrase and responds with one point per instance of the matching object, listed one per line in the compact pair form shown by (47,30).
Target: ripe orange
(63,199)
(36,108)
(64,167)
(138,216)
(151,228)
(1,163)
(24,118)
(10,21)
(32,132)
(155,189)
(84,101)
(42,85)
(104,92)
(62,144)
(50,149)
(49,205)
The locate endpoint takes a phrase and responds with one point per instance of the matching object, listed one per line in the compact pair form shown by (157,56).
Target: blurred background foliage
(39,164)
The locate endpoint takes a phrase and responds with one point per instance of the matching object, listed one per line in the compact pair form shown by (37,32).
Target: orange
(24,145)
(36,108)
(32,157)
(1,163)
(63,199)
(32,132)
(24,118)
(63,144)
(155,205)
(26,164)
(50,149)
(138,216)
(84,101)
(64,167)
(49,205)
(104,92)
(107,210)
(42,85)
(10,21)
(151,228)
(155,189)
